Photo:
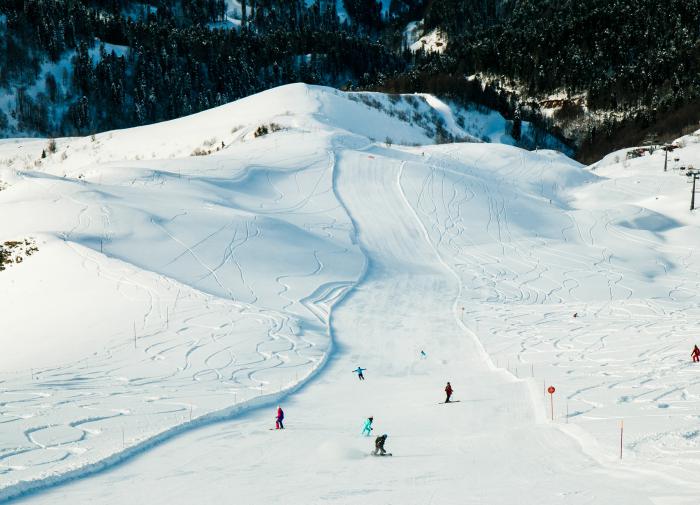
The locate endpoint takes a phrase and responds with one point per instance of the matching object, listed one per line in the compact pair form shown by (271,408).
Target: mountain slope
(244,271)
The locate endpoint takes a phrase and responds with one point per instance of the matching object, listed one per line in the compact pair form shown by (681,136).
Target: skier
(422,354)
(379,445)
(448,392)
(695,354)
(359,371)
(279,419)
(367,428)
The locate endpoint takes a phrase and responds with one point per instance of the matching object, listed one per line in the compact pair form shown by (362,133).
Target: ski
(451,401)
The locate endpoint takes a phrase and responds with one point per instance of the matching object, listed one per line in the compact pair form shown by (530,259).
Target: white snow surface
(417,38)
(433,42)
(175,300)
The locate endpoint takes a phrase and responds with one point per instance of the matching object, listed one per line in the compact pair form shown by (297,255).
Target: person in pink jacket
(278,420)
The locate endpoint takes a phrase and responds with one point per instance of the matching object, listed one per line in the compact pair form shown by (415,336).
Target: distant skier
(422,354)
(575,314)
(278,420)
(695,354)
(379,445)
(448,392)
(359,373)
(367,428)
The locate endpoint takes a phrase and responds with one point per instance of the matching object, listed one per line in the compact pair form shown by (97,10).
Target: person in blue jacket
(359,371)
(367,428)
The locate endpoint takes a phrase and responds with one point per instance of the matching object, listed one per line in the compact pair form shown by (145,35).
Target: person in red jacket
(279,419)
(695,354)
(448,392)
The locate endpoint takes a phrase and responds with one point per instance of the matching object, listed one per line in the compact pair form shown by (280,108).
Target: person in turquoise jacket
(359,373)
(367,429)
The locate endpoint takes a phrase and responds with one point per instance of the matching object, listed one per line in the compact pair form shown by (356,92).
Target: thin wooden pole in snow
(622,430)
(551,402)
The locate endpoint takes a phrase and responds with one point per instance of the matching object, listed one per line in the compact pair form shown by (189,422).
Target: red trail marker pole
(551,390)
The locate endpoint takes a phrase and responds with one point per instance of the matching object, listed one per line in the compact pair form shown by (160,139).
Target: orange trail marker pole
(622,429)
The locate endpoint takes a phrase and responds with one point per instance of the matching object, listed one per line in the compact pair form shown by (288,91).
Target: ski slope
(176,299)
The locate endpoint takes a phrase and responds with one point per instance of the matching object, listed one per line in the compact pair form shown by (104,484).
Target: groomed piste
(192,275)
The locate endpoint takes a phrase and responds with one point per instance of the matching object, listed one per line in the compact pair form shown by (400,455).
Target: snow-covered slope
(171,290)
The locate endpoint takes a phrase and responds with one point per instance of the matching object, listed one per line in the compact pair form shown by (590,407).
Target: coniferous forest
(636,62)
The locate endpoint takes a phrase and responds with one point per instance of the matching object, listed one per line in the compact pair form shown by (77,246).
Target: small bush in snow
(200,152)
(14,251)
(51,146)
(388,141)
(265,129)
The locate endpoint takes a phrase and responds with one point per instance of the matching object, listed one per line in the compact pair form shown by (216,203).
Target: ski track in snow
(623,356)
(193,357)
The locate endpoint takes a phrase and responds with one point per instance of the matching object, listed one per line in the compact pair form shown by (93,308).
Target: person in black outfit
(379,445)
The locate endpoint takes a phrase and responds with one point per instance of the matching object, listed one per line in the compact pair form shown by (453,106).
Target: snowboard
(387,454)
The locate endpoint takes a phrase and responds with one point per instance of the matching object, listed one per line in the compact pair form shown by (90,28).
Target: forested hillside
(638,58)
(132,66)
(586,70)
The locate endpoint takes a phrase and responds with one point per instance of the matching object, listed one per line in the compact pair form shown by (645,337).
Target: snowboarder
(379,445)
(448,392)
(367,428)
(359,371)
(278,420)
(695,354)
